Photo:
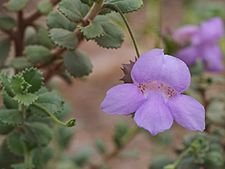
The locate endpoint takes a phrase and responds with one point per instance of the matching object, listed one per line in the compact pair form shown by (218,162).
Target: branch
(36,15)
(58,51)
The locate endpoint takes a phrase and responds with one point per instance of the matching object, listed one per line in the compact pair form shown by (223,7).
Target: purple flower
(203,42)
(155,95)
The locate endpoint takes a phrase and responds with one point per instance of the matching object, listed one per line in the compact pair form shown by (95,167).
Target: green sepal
(77,64)
(74,10)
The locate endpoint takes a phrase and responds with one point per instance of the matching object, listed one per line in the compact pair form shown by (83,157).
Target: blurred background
(85,95)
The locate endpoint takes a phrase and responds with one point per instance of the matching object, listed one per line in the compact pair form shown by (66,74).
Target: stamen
(157,86)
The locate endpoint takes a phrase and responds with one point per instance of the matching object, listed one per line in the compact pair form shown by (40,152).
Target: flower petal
(184,34)
(175,73)
(154,115)
(147,66)
(210,31)
(188,55)
(213,59)
(187,112)
(122,99)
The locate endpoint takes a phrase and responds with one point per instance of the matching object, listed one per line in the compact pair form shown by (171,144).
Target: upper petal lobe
(154,115)
(146,68)
(187,112)
(122,99)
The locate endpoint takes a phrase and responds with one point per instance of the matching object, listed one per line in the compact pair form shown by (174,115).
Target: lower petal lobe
(154,115)
(187,112)
(122,99)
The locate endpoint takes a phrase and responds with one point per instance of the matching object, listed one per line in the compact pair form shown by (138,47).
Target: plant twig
(36,15)
(19,34)
(116,9)
(86,20)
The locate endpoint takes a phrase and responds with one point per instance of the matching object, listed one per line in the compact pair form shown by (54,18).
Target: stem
(86,20)
(19,44)
(116,9)
(53,117)
(36,15)
(28,159)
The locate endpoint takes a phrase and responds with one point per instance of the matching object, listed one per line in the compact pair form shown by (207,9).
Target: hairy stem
(116,9)
(53,117)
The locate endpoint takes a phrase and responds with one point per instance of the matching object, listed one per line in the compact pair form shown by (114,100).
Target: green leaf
(16,143)
(121,131)
(20,63)
(5,82)
(126,5)
(5,129)
(74,10)
(19,166)
(37,134)
(88,2)
(19,85)
(43,37)
(7,22)
(63,38)
(83,156)
(11,116)
(8,101)
(4,51)
(101,147)
(57,20)
(34,77)
(159,162)
(113,37)
(94,29)
(45,6)
(51,101)
(37,54)
(26,99)
(77,64)
(16,5)
(63,136)
(41,156)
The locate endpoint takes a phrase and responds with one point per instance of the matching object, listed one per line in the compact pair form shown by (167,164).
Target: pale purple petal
(188,55)
(154,65)
(122,99)
(147,66)
(187,112)
(213,59)
(210,31)
(154,115)
(175,73)
(184,34)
